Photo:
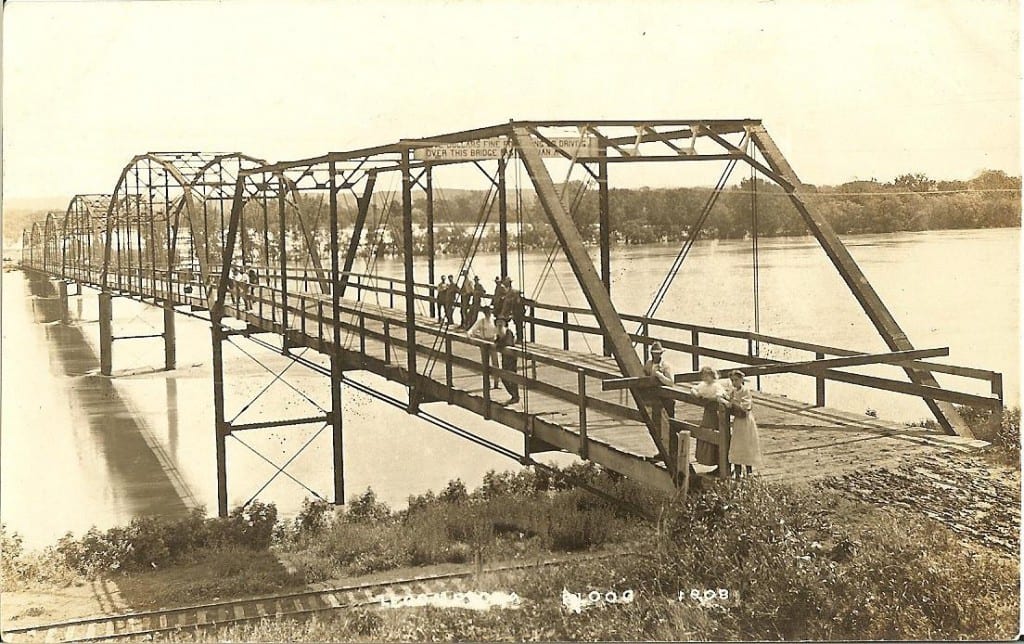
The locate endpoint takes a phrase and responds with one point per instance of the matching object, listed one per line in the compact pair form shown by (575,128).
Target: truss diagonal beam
(894,336)
(622,348)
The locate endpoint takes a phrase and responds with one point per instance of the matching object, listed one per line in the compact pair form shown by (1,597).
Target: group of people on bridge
(736,398)
(488,323)
(242,286)
(506,302)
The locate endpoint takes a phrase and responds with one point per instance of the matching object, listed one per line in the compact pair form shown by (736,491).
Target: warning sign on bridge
(492,148)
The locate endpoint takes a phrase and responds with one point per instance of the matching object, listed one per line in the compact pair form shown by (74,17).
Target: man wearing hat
(498,299)
(663,372)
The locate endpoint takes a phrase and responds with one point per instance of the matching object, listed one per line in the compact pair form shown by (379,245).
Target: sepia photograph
(510,320)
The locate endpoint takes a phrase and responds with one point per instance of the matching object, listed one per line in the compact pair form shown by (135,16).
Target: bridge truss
(177,224)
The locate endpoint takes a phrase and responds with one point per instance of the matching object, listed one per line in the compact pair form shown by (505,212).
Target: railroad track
(299,604)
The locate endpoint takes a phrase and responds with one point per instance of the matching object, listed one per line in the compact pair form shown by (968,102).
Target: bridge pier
(62,294)
(170,348)
(106,332)
(106,319)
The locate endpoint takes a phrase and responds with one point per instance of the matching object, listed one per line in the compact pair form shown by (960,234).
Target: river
(78,449)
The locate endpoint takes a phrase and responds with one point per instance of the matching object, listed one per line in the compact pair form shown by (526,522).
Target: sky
(849,89)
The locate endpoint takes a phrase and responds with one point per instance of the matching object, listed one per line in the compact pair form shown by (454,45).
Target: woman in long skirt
(745,448)
(712,392)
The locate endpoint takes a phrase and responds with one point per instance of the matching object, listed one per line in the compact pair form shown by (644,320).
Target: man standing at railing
(485,331)
(441,299)
(477,300)
(513,308)
(243,288)
(661,370)
(497,300)
(449,304)
(506,339)
(465,299)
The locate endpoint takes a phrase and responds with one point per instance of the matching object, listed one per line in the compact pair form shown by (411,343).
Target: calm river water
(78,449)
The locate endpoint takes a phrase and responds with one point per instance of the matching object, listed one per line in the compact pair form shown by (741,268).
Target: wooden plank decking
(800,442)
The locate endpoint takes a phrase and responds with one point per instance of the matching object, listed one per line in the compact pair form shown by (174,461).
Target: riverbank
(797,562)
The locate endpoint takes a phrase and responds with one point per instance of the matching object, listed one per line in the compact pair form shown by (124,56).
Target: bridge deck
(799,441)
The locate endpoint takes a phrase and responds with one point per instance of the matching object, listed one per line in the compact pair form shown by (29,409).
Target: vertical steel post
(336,366)
(106,332)
(502,215)
(604,225)
(283,258)
(221,428)
(429,188)
(410,300)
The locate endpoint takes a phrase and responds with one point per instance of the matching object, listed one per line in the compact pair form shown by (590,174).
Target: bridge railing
(442,348)
(656,330)
(554,318)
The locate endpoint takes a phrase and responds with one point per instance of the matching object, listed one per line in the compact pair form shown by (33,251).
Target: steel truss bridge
(176,223)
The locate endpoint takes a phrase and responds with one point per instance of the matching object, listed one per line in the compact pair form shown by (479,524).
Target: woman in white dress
(745,447)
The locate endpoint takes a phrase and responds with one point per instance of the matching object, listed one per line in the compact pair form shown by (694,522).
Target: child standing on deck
(745,448)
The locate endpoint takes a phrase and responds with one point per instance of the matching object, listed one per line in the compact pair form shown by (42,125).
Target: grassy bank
(798,563)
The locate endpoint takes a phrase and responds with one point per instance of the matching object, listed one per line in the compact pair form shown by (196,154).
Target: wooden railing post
(533,323)
(695,341)
(819,384)
(387,342)
(682,457)
(997,386)
(362,334)
(565,330)
(448,380)
(647,351)
(724,438)
(391,293)
(581,379)
(320,319)
(486,361)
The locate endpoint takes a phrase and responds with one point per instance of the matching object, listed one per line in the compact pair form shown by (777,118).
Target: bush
(454,492)
(1003,432)
(365,508)
(800,576)
(156,541)
(579,523)
(313,517)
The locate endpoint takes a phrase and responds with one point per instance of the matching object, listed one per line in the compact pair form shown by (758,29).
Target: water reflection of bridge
(177,222)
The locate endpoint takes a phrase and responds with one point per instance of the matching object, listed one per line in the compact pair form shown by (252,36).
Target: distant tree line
(911,202)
